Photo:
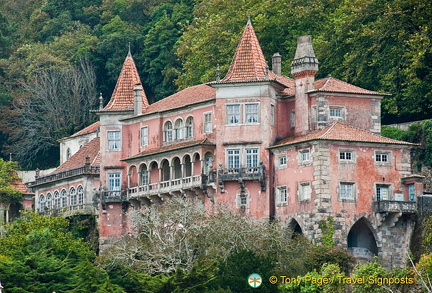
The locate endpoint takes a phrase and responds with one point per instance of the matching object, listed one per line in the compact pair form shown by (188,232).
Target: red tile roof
(188,96)
(19,185)
(123,95)
(331,84)
(79,158)
(248,63)
(89,129)
(174,146)
(340,132)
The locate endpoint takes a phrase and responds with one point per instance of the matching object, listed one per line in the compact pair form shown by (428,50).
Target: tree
(57,105)
(8,194)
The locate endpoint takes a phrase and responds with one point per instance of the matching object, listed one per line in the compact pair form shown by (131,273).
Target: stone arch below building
(362,240)
(295,228)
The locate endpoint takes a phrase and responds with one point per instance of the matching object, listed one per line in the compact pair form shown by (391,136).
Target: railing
(82,209)
(393,206)
(361,252)
(114,196)
(86,169)
(166,186)
(251,173)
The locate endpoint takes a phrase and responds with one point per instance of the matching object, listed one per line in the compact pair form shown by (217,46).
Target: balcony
(114,196)
(86,169)
(242,173)
(393,206)
(72,210)
(169,186)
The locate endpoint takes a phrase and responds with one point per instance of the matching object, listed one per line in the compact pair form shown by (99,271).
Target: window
(233,114)
(207,123)
(281,195)
(272,114)
(281,160)
(233,158)
(251,112)
(41,203)
(336,112)
(56,200)
(144,176)
(114,182)
(346,155)
(346,191)
(242,199)
(251,158)
(304,156)
(189,127)
(382,192)
(144,136)
(179,129)
(411,192)
(305,191)
(68,153)
(80,195)
(73,196)
(48,203)
(63,196)
(114,140)
(168,131)
(292,119)
(382,157)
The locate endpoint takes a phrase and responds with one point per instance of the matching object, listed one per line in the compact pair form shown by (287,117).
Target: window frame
(179,129)
(379,156)
(230,158)
(168,131)
(272,114)
(251,158)
(230,115)
(343,185)
(208,124)
(242,201)
(281,195)
(251,114)
(114,142)
(411,192)
(342,155)
(144,136)
(284,162)
(115,178)
(378,190)
(189,127)
(302,195)
(301,156)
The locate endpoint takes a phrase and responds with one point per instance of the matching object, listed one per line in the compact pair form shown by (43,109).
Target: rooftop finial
(218,74)
(100,102)
(249,20)
(129,52)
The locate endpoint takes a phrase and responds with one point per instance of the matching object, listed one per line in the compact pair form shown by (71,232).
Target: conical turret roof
(249,63)
(123,96)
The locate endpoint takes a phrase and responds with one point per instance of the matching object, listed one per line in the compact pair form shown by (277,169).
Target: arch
(73,196)
(187,163)
(179,129)
(295,228)
(154,172)
(144,175)
(56,204)
(41,203)
(81,199)
(63,198)
(196,161)
(168,131)
(177,172)
(48,203)
(189,127)
(208,162)
(133,176)
(361,235)
(166,170)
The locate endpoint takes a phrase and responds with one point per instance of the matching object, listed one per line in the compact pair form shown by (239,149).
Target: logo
(254,280)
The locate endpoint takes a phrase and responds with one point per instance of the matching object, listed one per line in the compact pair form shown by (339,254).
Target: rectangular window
(381,157)
(251,157)
(411,192)
(305,191)
(114,182)
(304,156)
(335,112)
(144,136)
(345,155)
(272,114)
(382,193)
(251,112)
(233,158)
(207,122)
(281,195)
(233,114)
(281,160)
(114,142)
(346,191)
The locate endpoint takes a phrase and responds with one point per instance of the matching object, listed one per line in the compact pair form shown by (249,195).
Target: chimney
(138,102)
(303,68)
(277,64)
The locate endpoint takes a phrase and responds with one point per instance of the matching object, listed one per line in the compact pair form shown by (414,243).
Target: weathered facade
(303,151)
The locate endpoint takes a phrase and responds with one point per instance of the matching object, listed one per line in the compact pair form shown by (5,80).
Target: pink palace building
(305,152)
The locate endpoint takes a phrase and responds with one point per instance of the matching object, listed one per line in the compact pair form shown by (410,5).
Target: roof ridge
(328,130)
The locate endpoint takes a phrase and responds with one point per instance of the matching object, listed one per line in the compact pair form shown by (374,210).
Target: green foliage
(8,194)
(369,271)
(394,133)
(327,229)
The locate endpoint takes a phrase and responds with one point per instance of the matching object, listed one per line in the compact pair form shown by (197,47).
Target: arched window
(80,195)
(56,205)
(144,176)
(49,201)
(73,196)
(168,131)
(189,127)
(41,203)
(63,198)
(179,129)
(68,154)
